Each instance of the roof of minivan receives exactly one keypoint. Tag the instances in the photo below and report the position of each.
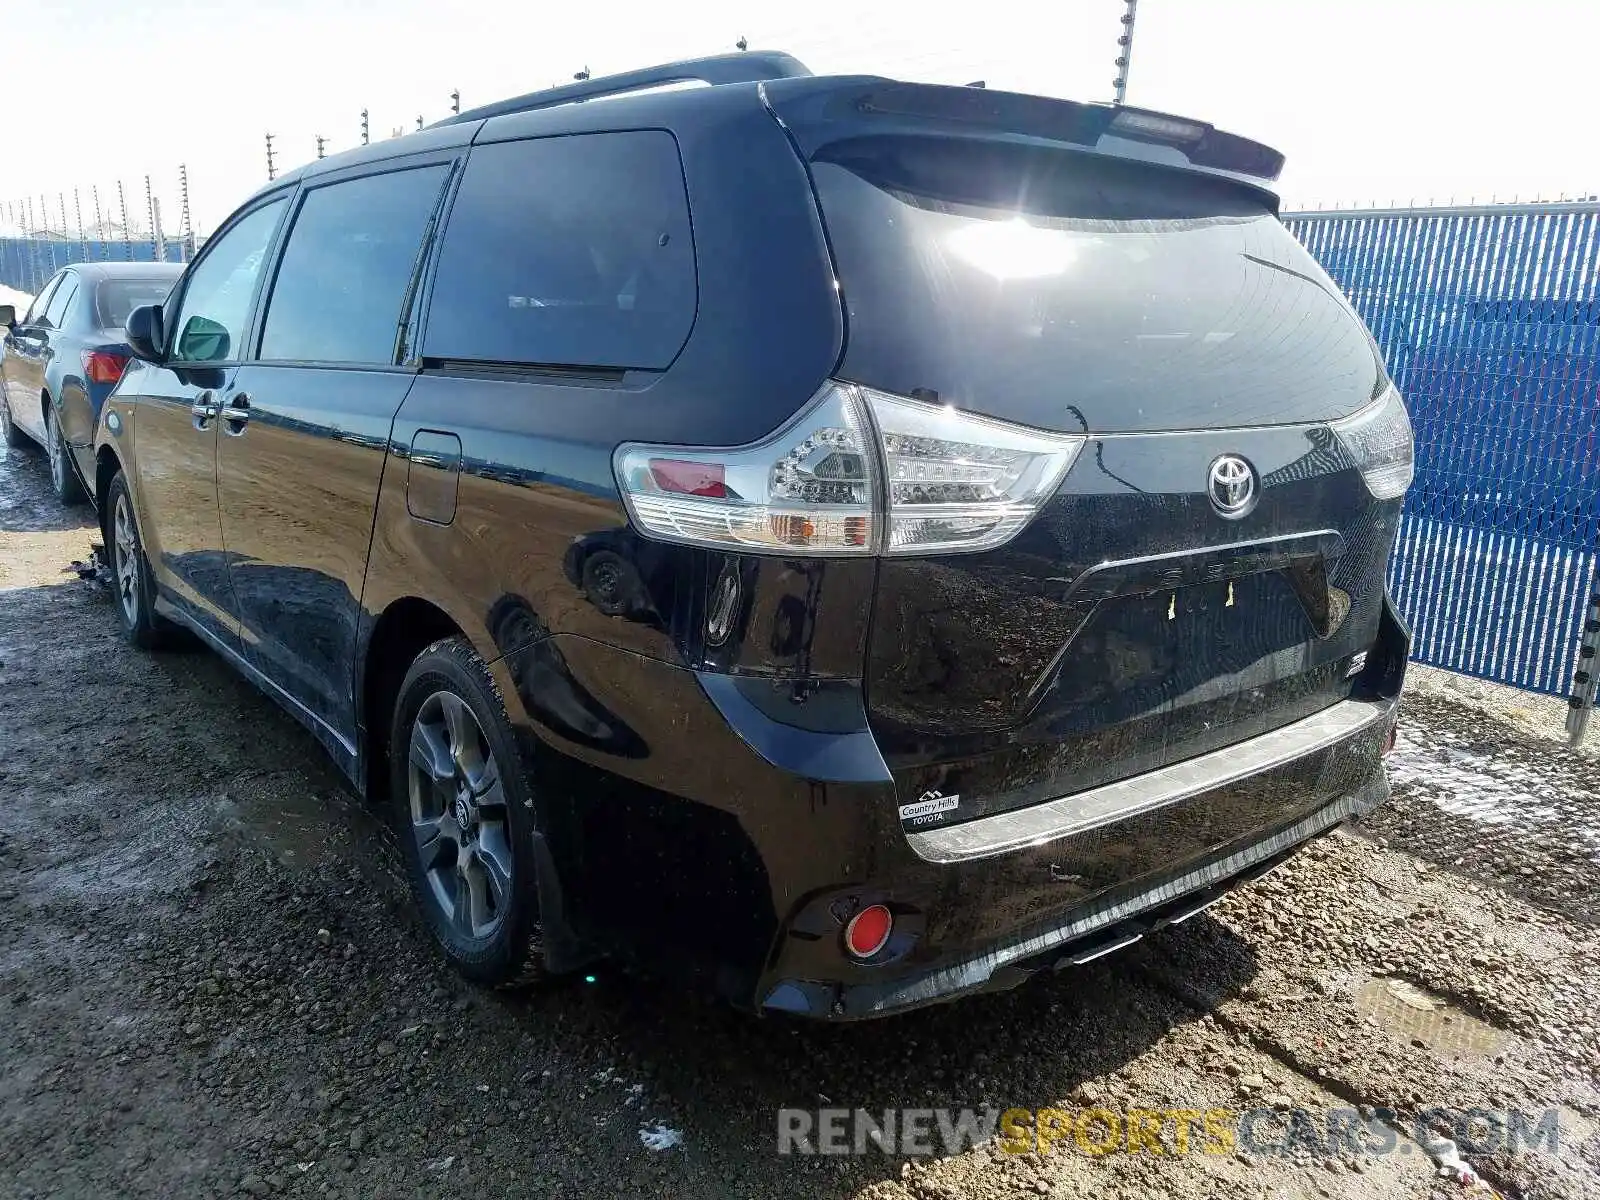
(649, 96)
(728, 75)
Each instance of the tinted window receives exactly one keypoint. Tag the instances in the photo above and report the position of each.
(56, 313)
(41, 302)
(1072, 290)
(114, 299)
(347, 268)
(215, 308)
(571, 251)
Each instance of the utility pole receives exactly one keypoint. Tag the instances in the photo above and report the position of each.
(320, 140)
(455, 102)
(272, 170)
(366, 132)
(1125, 51)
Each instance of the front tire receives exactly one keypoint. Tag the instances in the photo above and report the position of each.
(131, 579)
(463, 810)
(62, 475)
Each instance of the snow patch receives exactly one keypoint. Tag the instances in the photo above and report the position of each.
(660, 1137)
(1485, 789)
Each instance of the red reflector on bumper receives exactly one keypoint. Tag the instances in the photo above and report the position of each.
(868, 931)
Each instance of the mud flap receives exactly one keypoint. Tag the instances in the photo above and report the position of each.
(563, 950)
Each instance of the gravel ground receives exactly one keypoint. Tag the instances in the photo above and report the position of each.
(212, 984)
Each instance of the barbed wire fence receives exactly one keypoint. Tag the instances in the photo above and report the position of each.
(39, 234)
(120, 222)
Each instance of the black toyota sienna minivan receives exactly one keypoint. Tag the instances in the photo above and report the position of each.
(854, 543)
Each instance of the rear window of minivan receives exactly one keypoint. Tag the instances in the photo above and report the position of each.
(567, 251)
(1077, 290)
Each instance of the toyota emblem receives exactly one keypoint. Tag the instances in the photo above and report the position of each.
(1233, 485)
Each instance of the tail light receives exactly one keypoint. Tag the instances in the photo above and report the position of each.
(857, 472)
(1379, 439)
(102, 366)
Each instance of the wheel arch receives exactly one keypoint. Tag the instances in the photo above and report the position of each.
(405, 628)
(106, 465)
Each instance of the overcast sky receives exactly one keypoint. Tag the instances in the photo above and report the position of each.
(1370, 99)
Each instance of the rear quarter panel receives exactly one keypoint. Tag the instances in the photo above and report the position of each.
(535, 470)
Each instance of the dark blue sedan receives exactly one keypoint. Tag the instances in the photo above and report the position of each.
(64, 356)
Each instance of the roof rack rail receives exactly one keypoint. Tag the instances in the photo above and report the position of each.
(750, 66)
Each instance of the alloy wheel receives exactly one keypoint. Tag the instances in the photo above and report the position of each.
(458, 817)
(125, 554)
(57, 452)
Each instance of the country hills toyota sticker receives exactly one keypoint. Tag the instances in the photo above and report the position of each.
(930, 804)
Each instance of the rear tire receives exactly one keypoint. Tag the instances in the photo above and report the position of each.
(463, 811)
(133, 585)
(9, 433)
(63, 475)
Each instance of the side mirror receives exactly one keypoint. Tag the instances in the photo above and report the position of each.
(144, 333)
(202, 341)
(8, 315)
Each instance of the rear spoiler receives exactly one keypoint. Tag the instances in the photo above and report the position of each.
(820, 110)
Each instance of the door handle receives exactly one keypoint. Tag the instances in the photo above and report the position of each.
(237, 414)
(205, 408)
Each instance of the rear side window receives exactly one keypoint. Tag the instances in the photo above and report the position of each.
(567, 251)
(347, 268)
(57, 312)
(42, 302)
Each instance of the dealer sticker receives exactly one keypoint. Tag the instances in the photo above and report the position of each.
(930, 804)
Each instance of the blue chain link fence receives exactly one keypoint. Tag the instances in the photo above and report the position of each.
(1490, 321)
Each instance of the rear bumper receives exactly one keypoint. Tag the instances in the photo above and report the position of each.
(1100, 927)
(693, 827)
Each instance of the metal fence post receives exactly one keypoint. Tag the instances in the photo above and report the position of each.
(127, 229)
(186, 227)
(1581, 702)
(83, 234)
(33, 248)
